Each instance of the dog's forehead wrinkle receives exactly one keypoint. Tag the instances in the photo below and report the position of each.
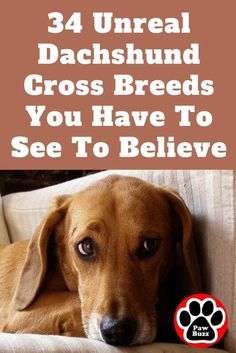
(119, 190)
(74, 230)
(92, 199)
(130, 212)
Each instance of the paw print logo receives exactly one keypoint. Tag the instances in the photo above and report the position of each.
(201, 320)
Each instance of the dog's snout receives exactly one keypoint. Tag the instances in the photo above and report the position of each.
(118, 332)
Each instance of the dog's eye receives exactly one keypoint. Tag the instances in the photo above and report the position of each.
(86, 247)
(148, 247)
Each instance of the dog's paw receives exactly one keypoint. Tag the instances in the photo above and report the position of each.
(200, 320)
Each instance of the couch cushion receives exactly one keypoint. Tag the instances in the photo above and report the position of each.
(24, 210)
(26, 343)
(4, 237)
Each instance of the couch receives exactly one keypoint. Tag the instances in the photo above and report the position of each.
(210, 196)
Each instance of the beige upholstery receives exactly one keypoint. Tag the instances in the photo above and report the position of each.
(210, 196)
(4, 237)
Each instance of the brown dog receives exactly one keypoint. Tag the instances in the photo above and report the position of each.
(113, 243)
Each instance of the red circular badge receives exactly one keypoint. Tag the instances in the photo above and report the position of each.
(200, 320)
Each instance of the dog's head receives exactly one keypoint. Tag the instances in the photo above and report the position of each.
(115, 242)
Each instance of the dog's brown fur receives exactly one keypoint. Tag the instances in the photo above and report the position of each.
(40, 279)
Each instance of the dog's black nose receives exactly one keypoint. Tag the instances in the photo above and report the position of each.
(118, 332)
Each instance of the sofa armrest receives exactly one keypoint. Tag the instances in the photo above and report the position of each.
(28, 343)
(4, 237)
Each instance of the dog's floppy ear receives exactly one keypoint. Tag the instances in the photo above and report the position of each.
(183, 232)
(35, 265)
